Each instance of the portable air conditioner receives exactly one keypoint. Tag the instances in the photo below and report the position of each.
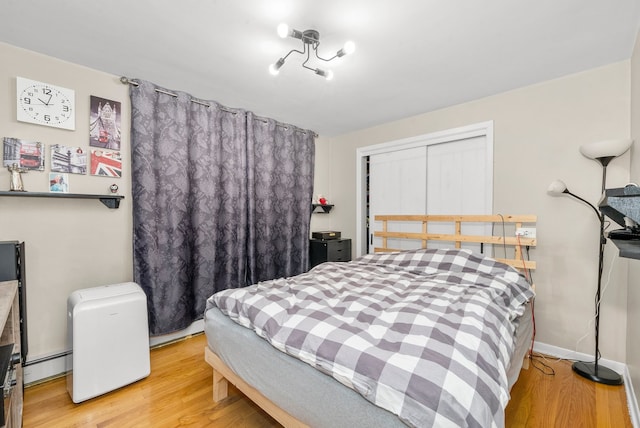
(108, 333)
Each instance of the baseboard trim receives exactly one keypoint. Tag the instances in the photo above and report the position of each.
(634, 411)
(43, 371)
(632, 402)
(53, 366)
(195, 328)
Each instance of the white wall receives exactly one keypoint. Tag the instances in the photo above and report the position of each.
(537, 133)
(70, 243)
(633, 301)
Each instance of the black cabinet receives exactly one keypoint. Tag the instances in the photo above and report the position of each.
(12, 268)
(330, 250)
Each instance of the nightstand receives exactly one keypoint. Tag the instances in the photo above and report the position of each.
(330, 250)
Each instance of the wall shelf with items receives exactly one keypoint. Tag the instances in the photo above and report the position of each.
(324, 209)
(622, 205)
(628, 248)
(110, 201)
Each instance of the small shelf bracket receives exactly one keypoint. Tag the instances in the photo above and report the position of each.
(110, 202)
(326, 208)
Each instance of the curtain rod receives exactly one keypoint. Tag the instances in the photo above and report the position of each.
(126, 81)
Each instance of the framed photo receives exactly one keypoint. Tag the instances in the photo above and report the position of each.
(26, 154)
(68, 159)
(104, 123)
(106, 164)
(58, 183)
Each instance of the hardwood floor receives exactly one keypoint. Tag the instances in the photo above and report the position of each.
(565, 400)
(178, 393)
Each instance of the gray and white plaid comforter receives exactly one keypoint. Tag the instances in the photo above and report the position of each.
(425, 334)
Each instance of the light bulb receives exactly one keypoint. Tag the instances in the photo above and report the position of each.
(326, 74)
(349, 47)
(283, 30)
(274, 69)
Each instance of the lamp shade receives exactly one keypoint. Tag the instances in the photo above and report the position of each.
(606, 148)
(557, 188)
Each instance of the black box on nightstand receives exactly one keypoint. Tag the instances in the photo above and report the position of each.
(326, 234)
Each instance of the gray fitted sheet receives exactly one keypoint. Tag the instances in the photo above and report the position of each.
(304, 392)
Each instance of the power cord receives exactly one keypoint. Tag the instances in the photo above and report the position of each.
(537, 360)
(597, 304)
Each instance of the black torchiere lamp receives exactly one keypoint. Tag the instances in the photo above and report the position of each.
(603, 152)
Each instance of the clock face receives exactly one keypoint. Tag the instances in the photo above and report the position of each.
(45, 104)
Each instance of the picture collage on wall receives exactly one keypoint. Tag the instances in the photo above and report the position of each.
(102, 158)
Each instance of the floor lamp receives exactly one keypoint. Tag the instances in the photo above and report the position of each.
(603, 152)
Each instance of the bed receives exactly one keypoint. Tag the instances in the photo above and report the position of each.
(387, 347)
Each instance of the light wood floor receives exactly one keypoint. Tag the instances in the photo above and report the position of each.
(178, 394)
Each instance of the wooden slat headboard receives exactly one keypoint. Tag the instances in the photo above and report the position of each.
(510, 223)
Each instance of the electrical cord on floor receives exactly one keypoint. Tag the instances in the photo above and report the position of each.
(537, 359)
(538, 362)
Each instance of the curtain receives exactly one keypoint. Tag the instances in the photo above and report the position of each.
(189, 203)
(221, 199)
(280, 174)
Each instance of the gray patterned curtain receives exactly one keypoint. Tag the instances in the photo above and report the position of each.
(221, 199)
(280, 170)
(189, 203)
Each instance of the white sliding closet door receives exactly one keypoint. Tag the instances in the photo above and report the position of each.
(452, 177)
(458, 184)
(397, 185)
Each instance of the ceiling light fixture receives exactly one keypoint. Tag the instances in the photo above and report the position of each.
(310, 42)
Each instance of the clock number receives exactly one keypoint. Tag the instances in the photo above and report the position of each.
(27, 100)
(46, 91)
(65, 108)
(47, 117)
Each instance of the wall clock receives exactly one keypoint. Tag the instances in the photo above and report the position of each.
(45, 104)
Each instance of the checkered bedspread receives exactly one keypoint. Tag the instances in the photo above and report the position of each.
(425, 334)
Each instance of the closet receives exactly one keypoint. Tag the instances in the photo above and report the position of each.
(449, 172)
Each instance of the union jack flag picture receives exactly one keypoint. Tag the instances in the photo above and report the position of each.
(106, 164)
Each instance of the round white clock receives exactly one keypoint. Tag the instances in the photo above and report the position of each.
(45, 104)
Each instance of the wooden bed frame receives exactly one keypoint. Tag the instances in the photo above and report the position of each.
(222, 374)
(510, 222)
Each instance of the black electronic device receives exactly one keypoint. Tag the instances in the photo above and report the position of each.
(326, 235)
(626, 234)
(12, 268)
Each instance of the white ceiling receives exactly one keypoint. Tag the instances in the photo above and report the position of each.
(412, 56)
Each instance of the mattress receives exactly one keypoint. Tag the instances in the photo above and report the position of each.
(304, 392)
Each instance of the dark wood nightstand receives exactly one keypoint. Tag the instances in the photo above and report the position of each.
(330, 250)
